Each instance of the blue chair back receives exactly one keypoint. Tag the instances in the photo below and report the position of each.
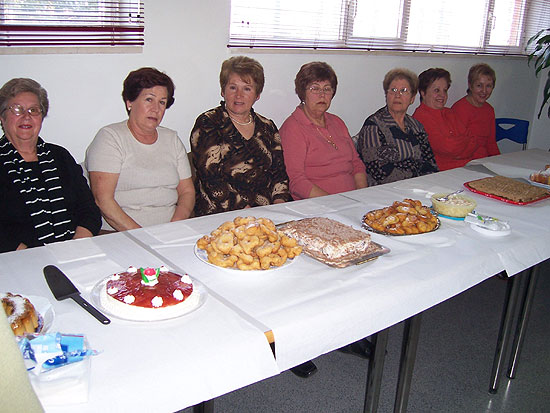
(517, 130)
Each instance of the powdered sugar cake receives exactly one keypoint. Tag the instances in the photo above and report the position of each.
(330, 241)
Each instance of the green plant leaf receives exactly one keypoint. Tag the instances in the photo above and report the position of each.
(540, 43)
(545, 96)
(542, 61)
(533, 38)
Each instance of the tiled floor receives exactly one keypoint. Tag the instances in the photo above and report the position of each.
(452, 370)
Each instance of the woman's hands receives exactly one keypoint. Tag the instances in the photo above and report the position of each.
(186, 200)
(360, 180)
(82, 232)
(317, 191)
(103, 185)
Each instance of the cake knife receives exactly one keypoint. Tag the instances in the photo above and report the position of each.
(62, 288)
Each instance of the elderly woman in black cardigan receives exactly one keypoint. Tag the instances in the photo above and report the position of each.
(45, 197)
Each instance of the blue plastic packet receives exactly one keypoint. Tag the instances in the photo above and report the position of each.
(44, 352)
(66, 358)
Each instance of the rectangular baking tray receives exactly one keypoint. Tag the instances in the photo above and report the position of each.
(378, 251)
(509, 201)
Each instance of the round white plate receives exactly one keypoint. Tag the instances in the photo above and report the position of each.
(539, 184)
(490, 232)
(198, 286)
(203, 256)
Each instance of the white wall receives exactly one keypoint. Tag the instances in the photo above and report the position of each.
(187, 40)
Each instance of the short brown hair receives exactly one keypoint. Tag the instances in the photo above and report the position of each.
(314, 72)
(247, 69)
(427, 77)
(404, 74)
(19, 85)
(481, 69)
(146, 78)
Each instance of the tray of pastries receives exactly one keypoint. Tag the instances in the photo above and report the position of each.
(332, 242)
(247, 244)
(541, 178)
(507, 190)
(405, 217)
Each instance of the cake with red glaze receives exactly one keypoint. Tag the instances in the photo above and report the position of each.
(148, 294)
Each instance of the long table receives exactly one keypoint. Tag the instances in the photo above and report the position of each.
(310, 308)
(176, 362)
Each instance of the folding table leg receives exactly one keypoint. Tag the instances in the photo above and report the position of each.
(522, 322)
(204, 407)
(376, 368)
(510, 303)
(406, 364)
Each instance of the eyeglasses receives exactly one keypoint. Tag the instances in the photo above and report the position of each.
(19, 110)
(327, 90)
(402, 91)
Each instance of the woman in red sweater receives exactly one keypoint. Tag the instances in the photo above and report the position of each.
(453, 145)
(475, 113)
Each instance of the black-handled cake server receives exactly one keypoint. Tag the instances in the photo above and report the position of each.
(62, 288)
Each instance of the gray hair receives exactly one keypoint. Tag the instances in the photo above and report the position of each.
(20, 85)
(401, 73)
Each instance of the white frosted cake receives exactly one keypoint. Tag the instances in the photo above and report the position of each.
(148, 294)
(327, 240)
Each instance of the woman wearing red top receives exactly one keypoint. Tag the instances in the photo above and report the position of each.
(453, 145)
(475, 113)
(320, 156)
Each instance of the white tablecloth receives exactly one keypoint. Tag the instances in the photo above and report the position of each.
(313, 308)
(178, 362)
(310, 307)
(516, 164)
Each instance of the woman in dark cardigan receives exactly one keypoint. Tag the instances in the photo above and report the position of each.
(392, 144)
(45, 197)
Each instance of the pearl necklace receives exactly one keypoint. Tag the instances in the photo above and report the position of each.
(242, 123)
(329, 139)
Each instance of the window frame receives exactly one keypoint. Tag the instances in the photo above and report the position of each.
(95, 25)
(399, 44)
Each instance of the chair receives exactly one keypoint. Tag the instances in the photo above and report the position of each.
(517, 130)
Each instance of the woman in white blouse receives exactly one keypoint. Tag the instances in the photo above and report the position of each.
(139, 171)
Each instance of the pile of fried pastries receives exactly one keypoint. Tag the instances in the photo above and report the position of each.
(402, 218)
(248, 244)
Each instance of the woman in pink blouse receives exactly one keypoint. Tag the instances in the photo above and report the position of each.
(319, 154)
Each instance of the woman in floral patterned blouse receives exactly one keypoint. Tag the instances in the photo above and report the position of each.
(237, 152)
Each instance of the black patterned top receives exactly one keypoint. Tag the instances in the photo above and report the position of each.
(233, 172)
(391, 154)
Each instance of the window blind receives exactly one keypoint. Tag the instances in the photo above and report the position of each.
(71, 23)
(465, 26)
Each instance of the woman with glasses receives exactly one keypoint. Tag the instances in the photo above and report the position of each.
(44, 197)
(391, 143)
(476, 113)
(139, 171)
(453, 145)
(237, 152)
(320, 156)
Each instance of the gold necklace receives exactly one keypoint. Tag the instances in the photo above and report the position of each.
(329, 139)
(242, 123)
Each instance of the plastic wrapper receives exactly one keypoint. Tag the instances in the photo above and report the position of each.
(487, 222)
(59, 366)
